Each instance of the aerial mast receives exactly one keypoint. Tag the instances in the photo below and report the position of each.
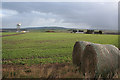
(18, 27)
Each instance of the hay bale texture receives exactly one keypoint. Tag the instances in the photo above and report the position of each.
(78, 51)
(100, 59)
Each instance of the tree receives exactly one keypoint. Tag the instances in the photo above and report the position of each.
(74, 31)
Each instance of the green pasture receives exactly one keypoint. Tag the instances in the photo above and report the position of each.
(41, 48)
(8, 33)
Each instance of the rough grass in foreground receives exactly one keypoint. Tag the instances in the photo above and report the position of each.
(57, 70)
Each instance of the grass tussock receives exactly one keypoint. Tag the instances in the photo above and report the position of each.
(56, 70)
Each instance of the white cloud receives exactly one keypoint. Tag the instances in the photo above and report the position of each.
(38, 12)
(77, 15)
(7, 12)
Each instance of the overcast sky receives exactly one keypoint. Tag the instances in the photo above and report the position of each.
(84, 15)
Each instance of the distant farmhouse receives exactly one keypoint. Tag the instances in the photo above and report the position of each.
(88, 31)
(94, 32)
(98, 32)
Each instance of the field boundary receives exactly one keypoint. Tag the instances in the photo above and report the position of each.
(28, 58)
(11, 34)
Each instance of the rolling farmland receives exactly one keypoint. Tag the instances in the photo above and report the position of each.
(47, 55)
(43, 48)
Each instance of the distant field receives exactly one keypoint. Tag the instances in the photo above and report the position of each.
(41, 48)
(8, 33)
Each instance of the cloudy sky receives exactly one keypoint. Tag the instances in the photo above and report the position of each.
(84, 15)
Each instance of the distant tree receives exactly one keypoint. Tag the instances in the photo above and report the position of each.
(90, 32)
(74, 31)
(100, 32)
(80, 30)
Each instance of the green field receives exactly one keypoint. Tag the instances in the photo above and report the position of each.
(8, 33)
(41, 48)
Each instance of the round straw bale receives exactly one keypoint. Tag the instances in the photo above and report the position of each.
(99, 59)
(77, 52)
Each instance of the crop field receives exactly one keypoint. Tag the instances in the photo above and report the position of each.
(37, 54)
(8, 33)
(41, 48)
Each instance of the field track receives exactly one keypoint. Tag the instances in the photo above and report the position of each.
(11, 34)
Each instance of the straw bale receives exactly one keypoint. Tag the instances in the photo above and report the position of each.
(100, 59)
(77, 52)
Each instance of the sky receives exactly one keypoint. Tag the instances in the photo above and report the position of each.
(82, 15)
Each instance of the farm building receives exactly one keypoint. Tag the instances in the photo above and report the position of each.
(94, 32)
(80, 30)
(74, 31)
(87, 31)
(24, 31)
(98, 32)
(90, 32)
(77, 31)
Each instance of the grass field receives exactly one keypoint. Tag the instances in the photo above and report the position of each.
(8, 33)
(42, 48)
(47, 55)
